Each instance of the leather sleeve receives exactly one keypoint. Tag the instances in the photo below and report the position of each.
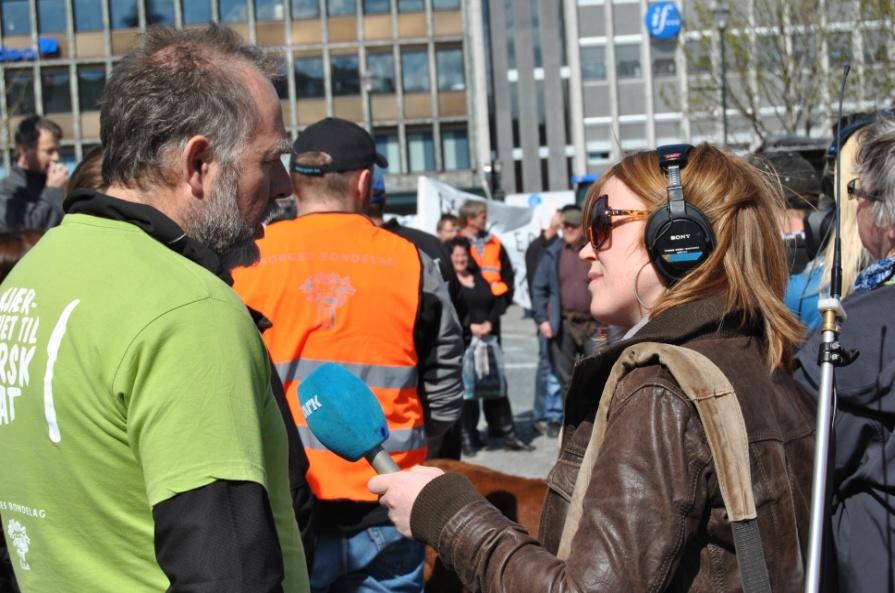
(646, 500)
(219, 538)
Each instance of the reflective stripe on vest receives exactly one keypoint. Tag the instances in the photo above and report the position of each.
(392, 377)
(339, 289)
(488, 260)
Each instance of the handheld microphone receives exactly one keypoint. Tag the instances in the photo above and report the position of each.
(345, 416)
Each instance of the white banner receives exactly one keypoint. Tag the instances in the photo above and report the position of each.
(516, 224)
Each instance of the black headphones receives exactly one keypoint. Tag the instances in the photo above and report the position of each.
(678, 235)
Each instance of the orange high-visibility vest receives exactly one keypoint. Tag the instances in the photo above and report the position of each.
(339, 289)
(488, 260)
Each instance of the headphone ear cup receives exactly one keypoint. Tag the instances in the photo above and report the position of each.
(678, 245)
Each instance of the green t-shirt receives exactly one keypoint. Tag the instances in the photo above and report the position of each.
(128, 374)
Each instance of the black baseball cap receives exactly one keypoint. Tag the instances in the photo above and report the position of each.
(797, 176)
(349, 145)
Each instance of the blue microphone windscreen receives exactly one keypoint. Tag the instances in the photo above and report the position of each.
(342, 412)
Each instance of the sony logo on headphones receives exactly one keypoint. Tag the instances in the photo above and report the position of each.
(679, 237)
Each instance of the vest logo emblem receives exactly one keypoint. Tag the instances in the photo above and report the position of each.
(18, 535)
(328, 292)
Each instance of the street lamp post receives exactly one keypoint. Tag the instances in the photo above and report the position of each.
(722, 14)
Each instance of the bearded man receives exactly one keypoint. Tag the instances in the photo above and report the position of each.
(143, 448)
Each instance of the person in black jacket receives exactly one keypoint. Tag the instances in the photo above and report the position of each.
(31, 196)
(482, 320)
(863, 471)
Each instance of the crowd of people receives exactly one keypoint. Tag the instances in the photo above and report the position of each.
(156, 325)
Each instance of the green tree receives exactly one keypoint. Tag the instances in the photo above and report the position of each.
(784, 60)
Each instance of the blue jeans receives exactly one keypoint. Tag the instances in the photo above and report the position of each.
(548, 395)
(375, 560)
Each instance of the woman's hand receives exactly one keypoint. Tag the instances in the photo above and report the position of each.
(397, 492)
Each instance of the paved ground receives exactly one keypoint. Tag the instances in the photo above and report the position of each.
(521, 353)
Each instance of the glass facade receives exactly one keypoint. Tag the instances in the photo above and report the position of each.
(411, 5)
(323, 41)
(420, 150)
(88, 15)
(340, 7)
(381, 70)
(305, 9)
(309, 78)
(51, 16)
(377, 6)
(91, 80)
(196, 12)
(455, 148)
(16, 20)
(449, 62)
(20, 91)
(345, 75)
(415, 70)
(56, 87)
(593, 63)
(627, 61)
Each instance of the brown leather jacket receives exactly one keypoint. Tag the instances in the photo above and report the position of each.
(653, 517)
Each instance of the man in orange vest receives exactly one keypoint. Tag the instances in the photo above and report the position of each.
(494, 263)
(339, 289)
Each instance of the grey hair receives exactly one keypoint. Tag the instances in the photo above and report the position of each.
(175, 85)
(876, 167)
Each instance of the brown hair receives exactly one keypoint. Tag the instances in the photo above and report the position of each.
(13, 246)
(748, 266)
(88, 174)
(470, 209)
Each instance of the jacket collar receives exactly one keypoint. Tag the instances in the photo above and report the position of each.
(150, 221)
(675, 326)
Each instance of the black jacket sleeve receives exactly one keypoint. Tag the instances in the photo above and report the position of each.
(219, 538)
(509, 276)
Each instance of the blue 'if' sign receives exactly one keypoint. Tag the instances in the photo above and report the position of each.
(663, 20)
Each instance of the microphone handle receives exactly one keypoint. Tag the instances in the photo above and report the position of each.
(381, 461)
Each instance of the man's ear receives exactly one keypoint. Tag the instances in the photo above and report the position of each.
(195, 161)
(362, 186)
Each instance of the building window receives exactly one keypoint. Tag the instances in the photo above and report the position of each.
(20, 92)
(160, 12)
(51, 16)
(88, 15)
(91, 81)
(445, 4)
(56, 89)
(449, 61)
(233, 11)
(345, 75)
(269, 10)
(381, 70)
(196, 12)
(455, 148)
(627, 61)
(309, 78)
(415, 70)
(15, 17)
(305, 9)
(420, 150)
(340, 7)
(411, 5)
(387, 146)
(377, 6)
(840, 48)
(874, 46)
(123, 14)
(663, 57)
(593, 63)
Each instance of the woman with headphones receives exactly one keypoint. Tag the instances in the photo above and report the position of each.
(684, 250)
